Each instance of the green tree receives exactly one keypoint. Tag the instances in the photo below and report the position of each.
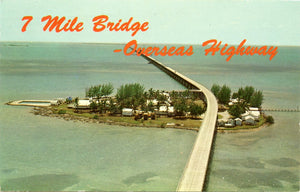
(130, 95)
(180, 107)
(215, 89)
(186, 94)
(112, 107)
(236, 110)
(161, 98)
(241, 93)
(256, 99)
(196, 109)
(248, 92)
(235, 95)
(107, 89)
(76, 103)
(270, 119)
(224, 95)
(93, 106)
(99, 91)
(91, 91)
(150, 107)
(151, 93)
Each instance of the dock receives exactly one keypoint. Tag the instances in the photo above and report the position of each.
(194, 174)
(282, 110)
(33, 103)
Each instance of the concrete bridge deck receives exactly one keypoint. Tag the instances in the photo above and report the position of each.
(194, 174)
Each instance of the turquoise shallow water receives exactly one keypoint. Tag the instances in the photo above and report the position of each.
(267, 159)
(89, 156)
(40, 153)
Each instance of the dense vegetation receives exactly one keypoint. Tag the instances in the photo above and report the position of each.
(134, 96)
(246, 97)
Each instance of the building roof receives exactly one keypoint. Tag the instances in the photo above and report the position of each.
(253, 108)
(254, 113)
(163, 108)
(249, 117)
(83, 103)
(171, 109)
(127, 110)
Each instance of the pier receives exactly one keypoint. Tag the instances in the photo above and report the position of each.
(194, 174)
(33, 103)
(282, 110)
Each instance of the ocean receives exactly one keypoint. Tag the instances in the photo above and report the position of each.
(46, 154)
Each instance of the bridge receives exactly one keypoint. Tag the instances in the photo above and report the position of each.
(195, 171)
(282, 110)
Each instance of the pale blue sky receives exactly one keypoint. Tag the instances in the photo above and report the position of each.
(170, 21)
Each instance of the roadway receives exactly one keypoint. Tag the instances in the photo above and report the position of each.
(195, 171)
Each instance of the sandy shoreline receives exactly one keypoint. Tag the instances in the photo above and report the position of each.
(48, 112)
(242, 130)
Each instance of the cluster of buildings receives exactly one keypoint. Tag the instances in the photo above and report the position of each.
(250, 117)
(159, 108)
(164, 108)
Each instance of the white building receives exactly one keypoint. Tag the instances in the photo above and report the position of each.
(154, 102)
(254, 114)
(253, 109)
(230, 123)
(238, 121)
(249, 120)
(244, 115)
(221, 123)
(127, 112)
(233, 101)
(83, 104)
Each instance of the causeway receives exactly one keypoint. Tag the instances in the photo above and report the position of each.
(194, 174)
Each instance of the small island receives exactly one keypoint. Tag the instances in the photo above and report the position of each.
(240, 110)
(133, 106)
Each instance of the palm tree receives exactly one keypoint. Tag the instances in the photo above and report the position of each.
(131, 95)
(76, 102)
(151, 93)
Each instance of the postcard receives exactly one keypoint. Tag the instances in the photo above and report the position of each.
(129, 95)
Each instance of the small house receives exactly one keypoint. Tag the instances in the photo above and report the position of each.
(238, 122)
(60, 100)
(163, 110)
(54, 102)
(230, 123)
(233, 101)
(127, 112)
(253, 109)
(249, 120)
(244, 115)
(171, 110)
(83, 104)
(154, 102)
(255, 114)
(221, 123)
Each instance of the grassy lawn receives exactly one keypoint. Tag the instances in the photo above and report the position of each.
(158, 122)
(220, 116)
